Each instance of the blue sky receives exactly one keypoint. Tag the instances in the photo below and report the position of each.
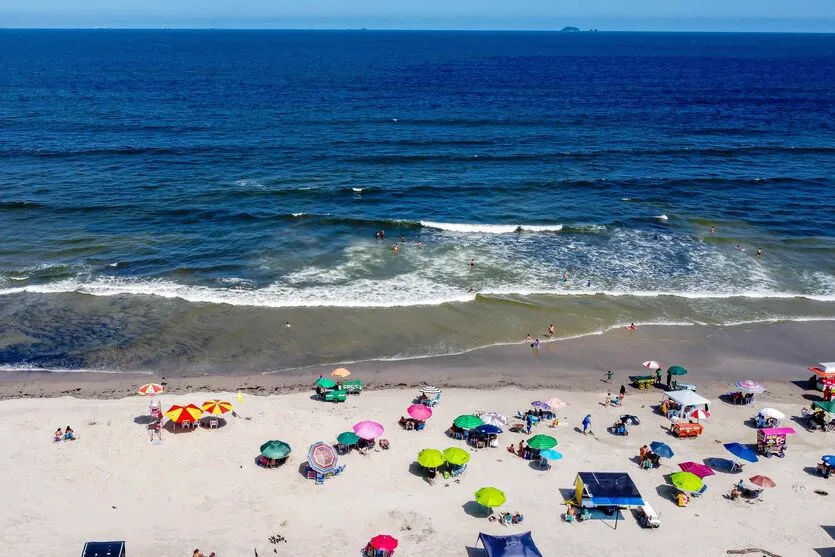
(672, 15)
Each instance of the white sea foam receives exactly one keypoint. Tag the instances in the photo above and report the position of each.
(662, 217)
(299, 214)
(490, 228)
(356, 190)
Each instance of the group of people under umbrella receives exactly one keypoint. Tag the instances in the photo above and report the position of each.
(188, 416)
(451, 462)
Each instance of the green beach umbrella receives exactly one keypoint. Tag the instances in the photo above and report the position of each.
(326, 383)
(468, 421)
(490, 497)
(456, 456)
(430, 458)
(541, 442)
(686, 481)
(827, 405)
(275, 449)
(347, 438)
(677, 370)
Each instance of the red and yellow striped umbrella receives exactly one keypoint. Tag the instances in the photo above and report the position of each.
(180, 414)
(150, 389)
(217, 407)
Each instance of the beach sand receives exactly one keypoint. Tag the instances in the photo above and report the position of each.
(202, 489)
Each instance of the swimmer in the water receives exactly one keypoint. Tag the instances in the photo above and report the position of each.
(420, 245)
(565, 277)
(472, 263)
(551, 330)
(632, 327)
(712, 229)
(588, 284)
(396, 247)
(759, 252)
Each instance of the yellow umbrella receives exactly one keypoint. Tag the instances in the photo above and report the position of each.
(217, 407)
(340, 372)
(180, 414)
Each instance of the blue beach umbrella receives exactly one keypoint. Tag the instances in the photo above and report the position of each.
(661, 449)
(828, 459)
(489, 429)
(742, 452)
(550, 454)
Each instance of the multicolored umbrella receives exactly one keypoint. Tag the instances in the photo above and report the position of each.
(340, 372)
(493, 418)
(771, 413)
(150, 389)
(651, 365)
(490, 497)
(321, 458)
(180, 414)
(750, 386)
(325, 383)
(275, 449)
(541, 404)
(217, 407)
(419, 412)
(697, 469)
(762, 481)
(383, 542)
(741, 451)
(686, 481)
(347, 438)
(661, 449)
(489, 429)
(676, 370)
(541, 442)
(556, 403)
(456, 456)
(550, 454)
(430, 458)
(430, 390)
(368, 430)
(699, 414)
(467, 421)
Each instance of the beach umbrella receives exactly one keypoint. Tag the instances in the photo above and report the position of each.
(493, 418)
(340, 372)
(651, 365)
(456, 456)
(697, 469)
(828, 459)
(368, 430)
(217, 407)
(180, 414)
(326, 383)
(430, 458)
(742, 452)
(347, 438)
(467, 421)
(383, 542)
(826, 405)
(489, 429)
(550, 454)
(661, 449)
(771, 413)
(275, 449)
(430, 390)
(321, 458)
(419, 412)
(541, 441)
(150, 389)
(490, 497)
(686, 481)
(750, 386)
(699, 414)
(541, 404)
(556, 403)
(762, 481)
(676, 370)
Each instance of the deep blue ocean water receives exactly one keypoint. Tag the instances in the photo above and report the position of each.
(149, 178)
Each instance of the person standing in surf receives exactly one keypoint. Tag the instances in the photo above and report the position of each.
(551, 330)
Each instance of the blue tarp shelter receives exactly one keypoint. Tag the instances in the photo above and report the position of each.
(103, 549)
(519, 545)
(606, 489)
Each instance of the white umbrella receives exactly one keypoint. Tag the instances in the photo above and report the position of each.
(699, 414)
(493, 418)
(651, 364)
(749, 386)
(772, 413)
(430, 390)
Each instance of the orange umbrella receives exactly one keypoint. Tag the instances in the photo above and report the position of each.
(150, 389)
(217, 407)
(340, 372)
(180, 414)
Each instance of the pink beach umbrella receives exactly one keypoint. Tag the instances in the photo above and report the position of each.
(368, 430)
(697, 469)
(419, 412)
(750, 386)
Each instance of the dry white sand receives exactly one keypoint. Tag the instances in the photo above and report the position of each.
(202, 489)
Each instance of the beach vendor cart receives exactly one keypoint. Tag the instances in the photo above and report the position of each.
(684, 430)
(678, 405)
(643, 382)
(823, 375)
(772, 440)
(352, 386)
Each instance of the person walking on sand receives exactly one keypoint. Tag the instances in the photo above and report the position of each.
(608, 401)
(586, 424)
(609, 376)
(551, 330)
(622, 392)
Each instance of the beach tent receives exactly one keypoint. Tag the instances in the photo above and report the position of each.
(606, 489)
(688, 401)
(517, 545)
(103, 549)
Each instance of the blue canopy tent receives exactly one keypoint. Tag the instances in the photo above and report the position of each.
(518, 545)
(606, 489)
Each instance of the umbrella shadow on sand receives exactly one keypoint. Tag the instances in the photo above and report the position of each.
(145, 419)
(667, 492)
(476, 510)
(416, 469)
